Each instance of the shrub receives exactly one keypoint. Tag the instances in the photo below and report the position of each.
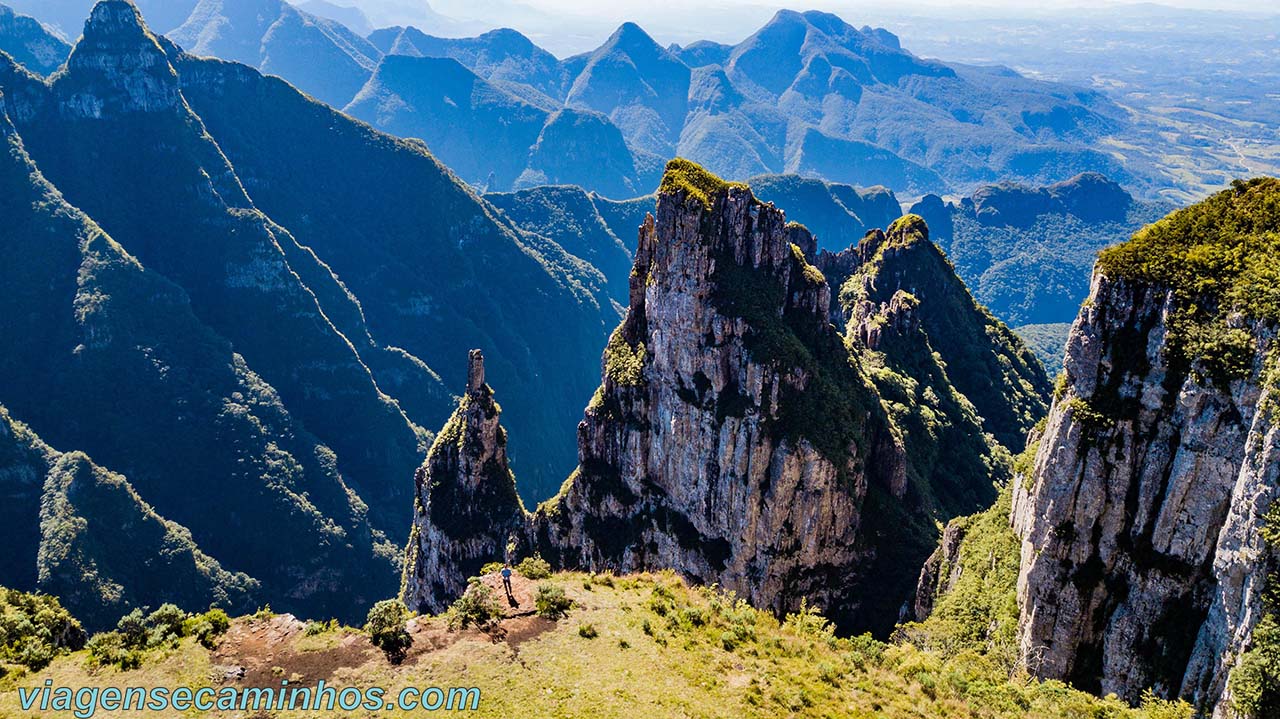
(165, 625)
(1255, 682)
(207, 627)
(692, 617)
(809, 622)
(112, 649)
(729, 641)
(133, 629)
(477, 606)
(624, 364)
(588, 631)
(534, 568)
(386, 628)
(551, 602)
(315, 628)
(1155, 708)
(35, 629)
(661, 601)
(491, 568)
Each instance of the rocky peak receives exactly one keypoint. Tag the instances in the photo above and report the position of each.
(937, 214)
(475, 372)
(735, 437)
(118, 66)
(466, 509)
(983, 359)
(28, 42)
(1092, 197)
(730, 438)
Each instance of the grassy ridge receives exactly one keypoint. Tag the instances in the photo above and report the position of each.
(643, 642)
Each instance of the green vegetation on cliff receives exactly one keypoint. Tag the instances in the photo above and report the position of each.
(973, 611)
(1255, 682)
(976, 602)
(981, 356)
(34, 629)
(686, 176)
(1218, 257)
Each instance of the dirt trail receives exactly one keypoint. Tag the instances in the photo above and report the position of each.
(261, 652)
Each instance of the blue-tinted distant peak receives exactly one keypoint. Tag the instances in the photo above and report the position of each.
(630, 36)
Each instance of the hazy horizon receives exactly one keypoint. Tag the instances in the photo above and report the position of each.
(567, 27)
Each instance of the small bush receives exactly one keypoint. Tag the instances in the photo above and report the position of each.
(809, 622)
(133, 629)
(35, 629)
(692, 617)
(661, 600)
(386, 627)
(534, 568)
(113, 649)
(551, 602)
(315, 628)
(728, 641)
(491, 568)
(477, 606)
(588, 631)
(165, 625)
(207, 627)
(1156, 708)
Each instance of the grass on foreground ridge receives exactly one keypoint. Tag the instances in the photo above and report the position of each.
(643, 642)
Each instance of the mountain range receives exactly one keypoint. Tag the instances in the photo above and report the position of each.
(28, 42)
(807, 94)
(208, 296)
(254, 348)
(1025, 252)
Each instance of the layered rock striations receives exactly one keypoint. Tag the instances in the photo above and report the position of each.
(738, 435)
(705, 449)
(1142, 523)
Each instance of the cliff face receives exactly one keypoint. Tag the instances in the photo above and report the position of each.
(1143, 563)
(741, 438)
(706, 447)
(467, 509)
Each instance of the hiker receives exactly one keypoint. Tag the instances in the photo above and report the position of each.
(506, 578)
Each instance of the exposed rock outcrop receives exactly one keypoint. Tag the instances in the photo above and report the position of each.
(739, 437)
(1143, 563)
(695, 453)
(939, 573)
(30, 43)
(467, 509)
(119, 66)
